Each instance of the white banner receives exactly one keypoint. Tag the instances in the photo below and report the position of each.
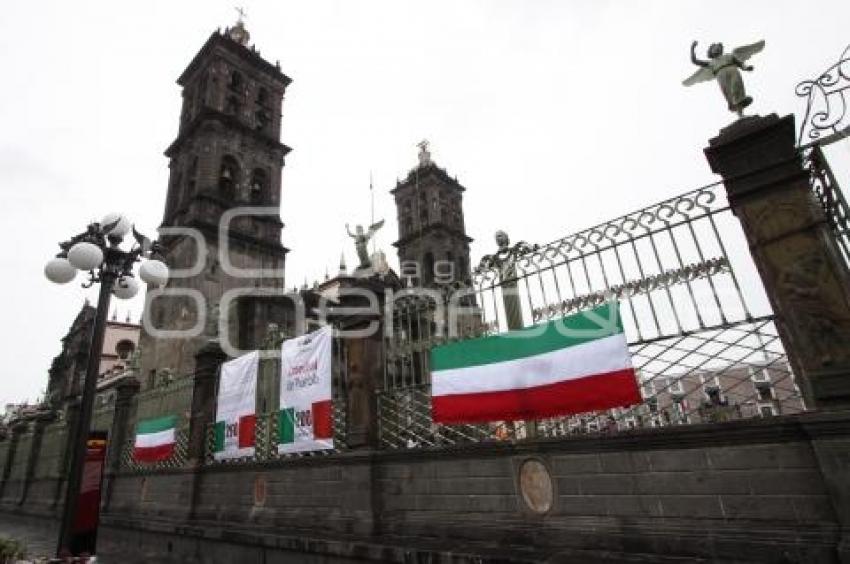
(235, 419)
(306, 410)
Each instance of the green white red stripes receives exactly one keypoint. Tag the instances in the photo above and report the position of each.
(567, 366)
(155, 439)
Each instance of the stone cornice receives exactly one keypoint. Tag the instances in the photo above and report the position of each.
(250, 56)
(207, 115)
(433, 227)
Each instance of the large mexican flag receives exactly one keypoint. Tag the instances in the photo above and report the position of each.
(572, 365)
(235, 419)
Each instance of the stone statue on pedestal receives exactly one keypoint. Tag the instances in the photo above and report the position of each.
(726, 68)
(361, 241)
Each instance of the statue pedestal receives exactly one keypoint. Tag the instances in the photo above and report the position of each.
(364, 367)
(794, 249)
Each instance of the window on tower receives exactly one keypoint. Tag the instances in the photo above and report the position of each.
(429, 267)
(187, 106)
(191, 179)
(201, 93)
(124, 349)
(262, 97)
(228, 177)
(259, 186)
(235, 80)
(262, 118)
(174, 194)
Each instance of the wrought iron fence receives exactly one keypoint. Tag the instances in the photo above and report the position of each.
(830, 197)
(694, 310)
(827, 99)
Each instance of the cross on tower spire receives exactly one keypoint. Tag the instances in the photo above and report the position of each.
(238, 32)
(424, 153)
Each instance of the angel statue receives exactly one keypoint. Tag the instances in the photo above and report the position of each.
(725, 67)
(361, 240)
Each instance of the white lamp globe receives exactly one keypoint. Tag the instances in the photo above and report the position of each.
(123, 226)
(59, 271)
(126, 288)
(85, 256)
(154, 272)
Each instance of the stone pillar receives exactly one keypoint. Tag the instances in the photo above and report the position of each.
(72, 414)
(126, 390)
(364, 360)
(364, 356)
(18, 429)
(207, 363)
(794, 250)
(37, 427)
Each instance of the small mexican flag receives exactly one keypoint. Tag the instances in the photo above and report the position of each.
(155, 439)
(244, 429)
(572, 365)
(319, 418)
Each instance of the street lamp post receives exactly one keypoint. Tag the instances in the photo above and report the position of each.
(98, 251)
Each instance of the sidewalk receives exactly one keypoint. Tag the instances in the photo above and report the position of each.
(38, 542)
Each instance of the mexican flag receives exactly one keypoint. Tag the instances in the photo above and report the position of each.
(155, 439)
(572, 365)
(236, 418)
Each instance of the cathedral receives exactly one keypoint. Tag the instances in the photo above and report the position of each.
(221, 227)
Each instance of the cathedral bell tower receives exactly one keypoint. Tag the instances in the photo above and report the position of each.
(227, 156)
(433, 247)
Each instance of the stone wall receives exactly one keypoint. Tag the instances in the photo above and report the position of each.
(743, 491)
(766, 490)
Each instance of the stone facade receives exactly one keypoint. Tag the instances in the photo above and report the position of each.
(69, 366)
(227, 155)
(433, 246)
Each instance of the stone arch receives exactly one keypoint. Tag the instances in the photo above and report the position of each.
(228, 177)
(259, 186)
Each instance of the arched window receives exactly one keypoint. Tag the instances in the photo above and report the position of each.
(262, 96)
(191, 180)
(124, 349)
(235, 80)
(201, 93)
(228, 177)
(174, 193)
(262, 118)
(259, 186)
(188, 102)
(429, 267)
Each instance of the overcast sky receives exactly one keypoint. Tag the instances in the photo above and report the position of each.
(554, 114)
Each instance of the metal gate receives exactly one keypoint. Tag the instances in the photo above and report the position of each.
(698, 322)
